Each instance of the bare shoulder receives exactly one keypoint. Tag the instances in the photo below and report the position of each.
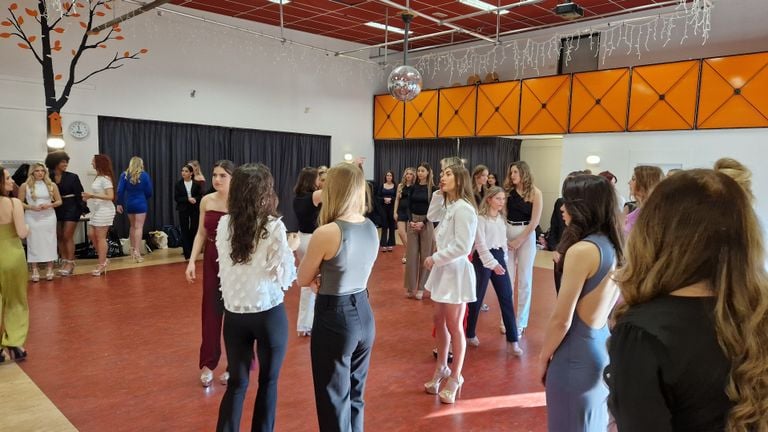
(327, 231)
(583, 253)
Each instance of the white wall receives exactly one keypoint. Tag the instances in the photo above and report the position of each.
(240, 80)
(544, 157)
(621, 152)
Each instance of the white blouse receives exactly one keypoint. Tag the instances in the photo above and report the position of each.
(258, 285)
(491, 234)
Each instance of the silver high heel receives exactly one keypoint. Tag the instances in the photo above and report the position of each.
(137, 256)
(433, 386)
(206, 378)
(35, 275)
(452, 388)
(63, 271)
(101, 269)
(224, 378)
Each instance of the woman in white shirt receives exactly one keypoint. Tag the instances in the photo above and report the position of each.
(256, 265)
(489, 260)
(452, 279)
(102, 209)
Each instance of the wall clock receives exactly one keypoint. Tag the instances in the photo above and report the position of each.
(79, 129)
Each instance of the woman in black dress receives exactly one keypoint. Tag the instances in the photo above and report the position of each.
(187, 193)
(69, 212)
(387, 195)
(688, 349)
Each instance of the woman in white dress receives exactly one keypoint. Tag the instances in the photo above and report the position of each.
(452, 279)
(101, 205)
(40, 196)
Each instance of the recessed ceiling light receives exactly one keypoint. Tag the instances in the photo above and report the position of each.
(388, 28)
(439, 15)
(482, 5)
(285, 2)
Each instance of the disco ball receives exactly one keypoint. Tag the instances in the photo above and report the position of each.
(404, 83)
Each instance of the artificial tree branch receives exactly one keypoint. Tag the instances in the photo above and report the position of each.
(65, 14)
(111, 65)
(23, 36)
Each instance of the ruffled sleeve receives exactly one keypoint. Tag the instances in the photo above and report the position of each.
(635, 380)
(280, 265)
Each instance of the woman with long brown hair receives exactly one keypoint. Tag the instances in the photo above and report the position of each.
(644, 179)
(101, 203)
(40, 197)
(452, 280)
(688, 349)
(256, 265)
(212, 207)
(420, 232)
(14, 319)
(524, 206)
(573, 354)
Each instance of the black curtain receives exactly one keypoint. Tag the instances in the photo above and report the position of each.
(396, 155)
(165, 147)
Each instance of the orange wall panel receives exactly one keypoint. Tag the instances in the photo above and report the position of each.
(733, 92)
(663, 96)
(544, 105)
(387, 117)
(457, 107)
(421, 115)
(498, 108)
(599, 101)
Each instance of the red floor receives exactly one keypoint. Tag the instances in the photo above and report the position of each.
(119, 353)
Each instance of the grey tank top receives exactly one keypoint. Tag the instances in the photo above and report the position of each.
(348, 271)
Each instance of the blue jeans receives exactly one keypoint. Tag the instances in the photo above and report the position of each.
(503, 288)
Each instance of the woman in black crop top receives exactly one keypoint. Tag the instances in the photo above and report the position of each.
(420, 232)
(306, 206)
(524, 205)
(688, 349)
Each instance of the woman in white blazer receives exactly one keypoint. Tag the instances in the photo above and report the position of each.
(452, 278)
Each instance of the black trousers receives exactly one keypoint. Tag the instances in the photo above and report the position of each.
(342, 340)
(269, 329)
(503, 288)
(188, 221)
(388, 225)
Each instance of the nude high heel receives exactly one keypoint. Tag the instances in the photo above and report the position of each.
(206, 377)
(452, 388)
(433, 386)
(100, 269)
(35, 275)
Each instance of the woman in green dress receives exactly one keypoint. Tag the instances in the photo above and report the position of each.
(13, 274)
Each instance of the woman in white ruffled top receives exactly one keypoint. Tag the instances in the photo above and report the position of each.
(451, 280)
(256, 265)
(40, 196)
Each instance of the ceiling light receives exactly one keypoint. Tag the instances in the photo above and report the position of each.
(285, 2)
(387, 28)
(482, 6)
(56, 142)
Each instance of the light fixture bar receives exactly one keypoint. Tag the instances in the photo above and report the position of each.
(285, 2)
(387, 28)
(479, 4)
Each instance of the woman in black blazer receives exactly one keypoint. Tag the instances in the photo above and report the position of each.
(187, 195)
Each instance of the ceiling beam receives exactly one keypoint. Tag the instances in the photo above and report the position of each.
(492, 11)
(437, 21)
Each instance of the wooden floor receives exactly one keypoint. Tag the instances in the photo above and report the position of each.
(119, 353)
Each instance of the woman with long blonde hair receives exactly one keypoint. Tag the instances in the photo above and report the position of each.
(133, 194)
(688, 349)
(401, 205)
(524, 206)
(40, 196)
(344, 330)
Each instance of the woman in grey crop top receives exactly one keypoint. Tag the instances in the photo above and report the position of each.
(342, 251)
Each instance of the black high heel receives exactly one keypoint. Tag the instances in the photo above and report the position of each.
(17, 354)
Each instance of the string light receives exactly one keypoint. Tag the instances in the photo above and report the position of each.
(530, 56)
